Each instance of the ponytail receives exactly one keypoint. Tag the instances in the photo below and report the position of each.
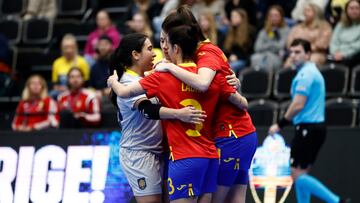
(122, 57)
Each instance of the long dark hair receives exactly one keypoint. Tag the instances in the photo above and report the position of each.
(122, 57)
(186, 38)
(182, 16)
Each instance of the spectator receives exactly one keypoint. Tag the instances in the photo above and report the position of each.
(334, 10)
(62, 65)
(345, 42)
(216, 7)
(137, 6)
(270, 42)
(78, 106)
(209, 28)
(41, 8)
(140, 24)
(248, 5)
(100, 70)
(298, 12)
(104, 27)
(315, 30)
(36, 110)
(239, 41)
(153, 14)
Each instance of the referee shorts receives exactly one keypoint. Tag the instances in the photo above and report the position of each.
(308, 139)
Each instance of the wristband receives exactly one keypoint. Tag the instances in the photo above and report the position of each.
(283, 122)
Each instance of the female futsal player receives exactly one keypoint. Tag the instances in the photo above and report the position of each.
(141, 141)
(193, 169)
(235, 133)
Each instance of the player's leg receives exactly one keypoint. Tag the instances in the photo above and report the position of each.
(236, 156)
(143, 171)
(210, 181)
(186, 177)
(247, 146)
(239, 193)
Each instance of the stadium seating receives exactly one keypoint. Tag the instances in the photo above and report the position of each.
(282, 83)
(355, 82)
(11, 28)
(11, 7)
(72, 8)
(263, 112)
(255, 83)
(336, 79)
(341, 112)
(283, 106)
(37, 31)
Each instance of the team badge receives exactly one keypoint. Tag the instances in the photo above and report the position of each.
(141, 183)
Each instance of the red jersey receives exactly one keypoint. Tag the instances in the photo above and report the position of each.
(188, 140)
(36, 114)
(84, 102)
(228, 119)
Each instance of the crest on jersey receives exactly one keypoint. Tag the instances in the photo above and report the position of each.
(141, 183)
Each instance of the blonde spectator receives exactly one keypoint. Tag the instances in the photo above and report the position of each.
(239, 41)
(315, 30)
(36, 110)
(70, 58)
(345, 42)
(271, 41)
(298, 12)
(208, 26)
(140, 24)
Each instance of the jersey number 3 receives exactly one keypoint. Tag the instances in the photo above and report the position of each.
(192, 102)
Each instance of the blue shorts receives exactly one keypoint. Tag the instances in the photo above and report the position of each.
(192, 177)
(236, 155)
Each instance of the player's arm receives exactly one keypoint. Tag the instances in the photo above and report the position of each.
(238, 100)
(200, 81)
(123, 91)
(156, 112)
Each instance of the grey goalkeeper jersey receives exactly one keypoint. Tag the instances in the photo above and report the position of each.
(138, 133)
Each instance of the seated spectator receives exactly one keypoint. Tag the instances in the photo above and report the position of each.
(298, 12)
(78, 106)
(334, 10)
(140, 24)
(62, 65)
(248, 5)
(239, 41)
(36, 110)
(216, 7)
(345, 42)
(315, 30)
(209, 28)
(271, 41)
(41, 9)
(100, 70)
(104, 27)
(137, 6)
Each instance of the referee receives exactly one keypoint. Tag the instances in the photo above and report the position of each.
(307, 113)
